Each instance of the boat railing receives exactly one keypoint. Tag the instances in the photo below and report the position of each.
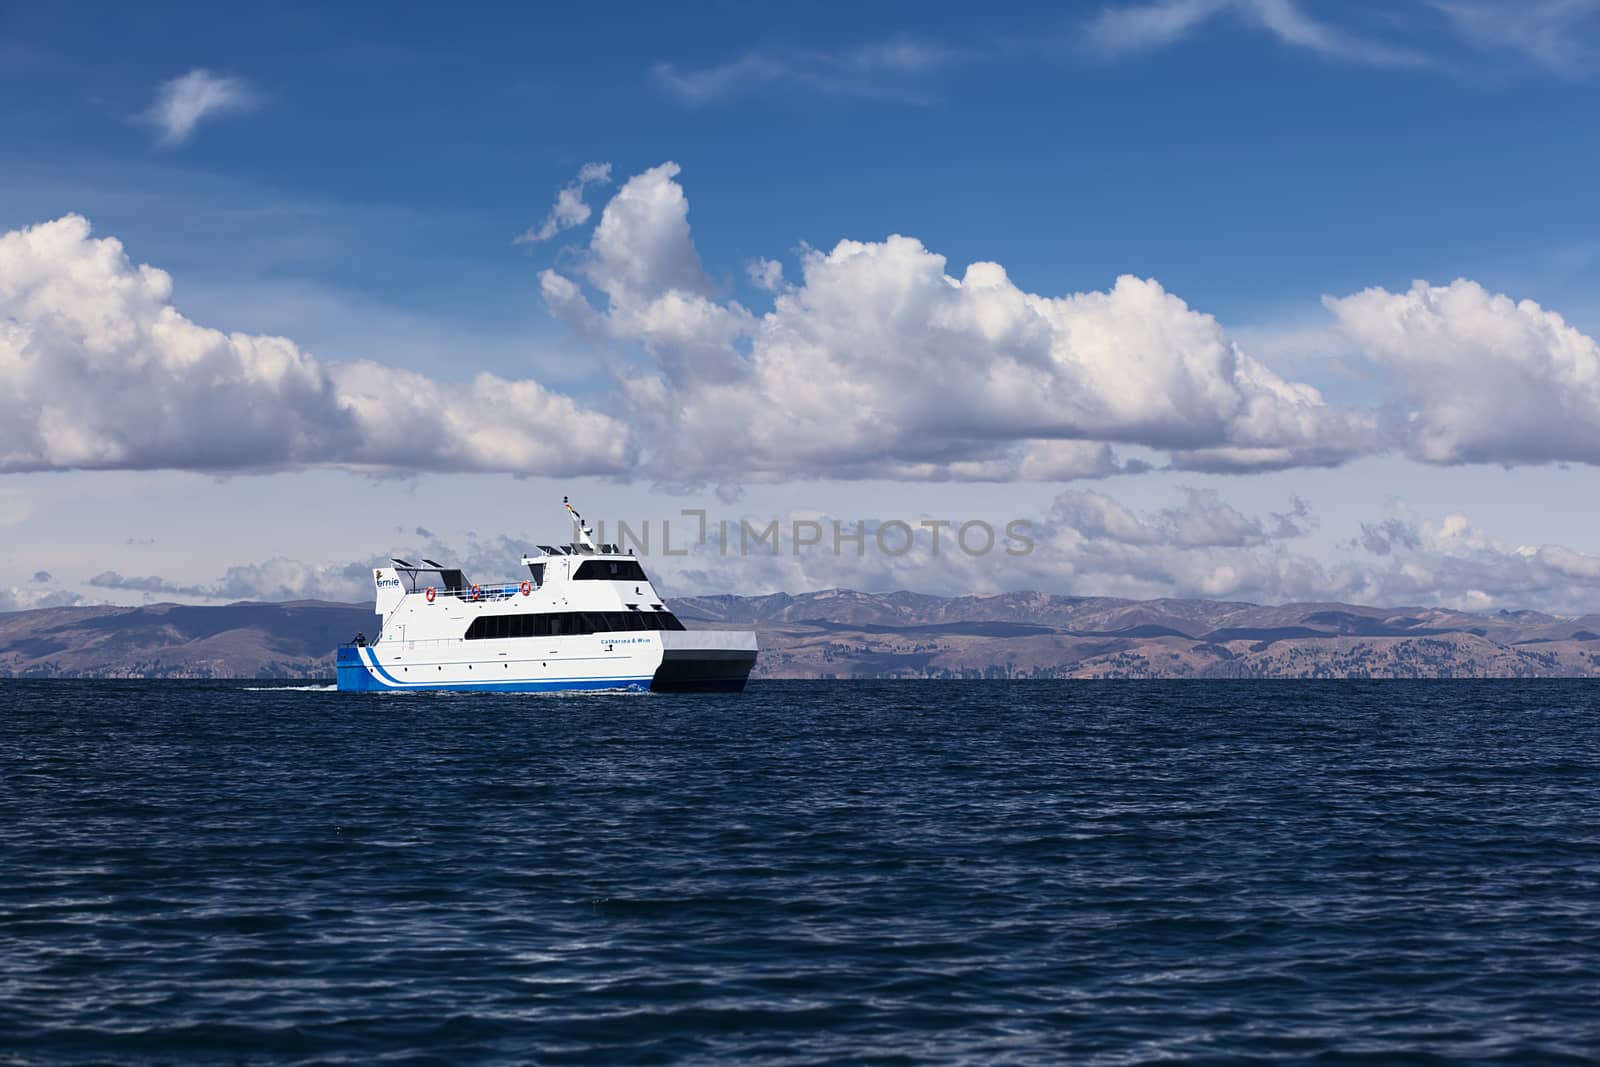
(478, 591)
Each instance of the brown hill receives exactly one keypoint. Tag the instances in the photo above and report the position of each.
(846, 634)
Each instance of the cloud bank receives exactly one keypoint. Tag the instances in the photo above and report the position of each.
(1084, 543)
(276, 579)
(879, 362)
(1088, 543)
(875, 359)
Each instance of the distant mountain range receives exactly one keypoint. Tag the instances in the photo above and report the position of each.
(845, 634)
(294, 640)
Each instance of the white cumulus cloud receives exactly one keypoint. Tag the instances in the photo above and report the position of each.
(881, 361)
(642, 247)
(99, 369)
(1482, 378)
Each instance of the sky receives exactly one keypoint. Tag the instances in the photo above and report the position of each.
(1264, 300)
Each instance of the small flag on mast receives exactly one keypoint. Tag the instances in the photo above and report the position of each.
(583, 531)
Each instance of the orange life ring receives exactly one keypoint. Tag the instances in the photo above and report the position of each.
(527, 587)
(477, 592)
(429, 593)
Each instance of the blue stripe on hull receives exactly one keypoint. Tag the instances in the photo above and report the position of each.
(609, 685)
(356, 675)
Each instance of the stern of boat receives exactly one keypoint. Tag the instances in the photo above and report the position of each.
(351, 672)
(698, 661)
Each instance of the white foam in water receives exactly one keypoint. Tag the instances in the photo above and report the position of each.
(558, 693)
(291, 689)
(548, 694)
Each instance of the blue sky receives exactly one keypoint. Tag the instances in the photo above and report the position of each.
(353, 179)
(1244, 172)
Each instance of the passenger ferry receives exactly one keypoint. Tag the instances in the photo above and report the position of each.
(585, 617)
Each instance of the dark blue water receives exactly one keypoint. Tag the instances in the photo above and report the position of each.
(814, 872)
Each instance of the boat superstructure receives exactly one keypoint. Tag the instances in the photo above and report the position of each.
(582, 616)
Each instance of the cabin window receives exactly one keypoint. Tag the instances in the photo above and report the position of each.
(620, 621)
(568, 623)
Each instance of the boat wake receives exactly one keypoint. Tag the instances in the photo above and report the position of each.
(291, 689)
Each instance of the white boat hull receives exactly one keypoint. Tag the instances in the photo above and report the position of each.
(671, 661)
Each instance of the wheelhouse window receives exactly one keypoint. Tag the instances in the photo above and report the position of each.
(609, 570)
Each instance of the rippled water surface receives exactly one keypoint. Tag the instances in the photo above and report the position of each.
(813, 872)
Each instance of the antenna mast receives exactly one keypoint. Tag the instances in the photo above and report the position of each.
(578, 524)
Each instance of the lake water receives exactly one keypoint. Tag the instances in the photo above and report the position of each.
(829, 872)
